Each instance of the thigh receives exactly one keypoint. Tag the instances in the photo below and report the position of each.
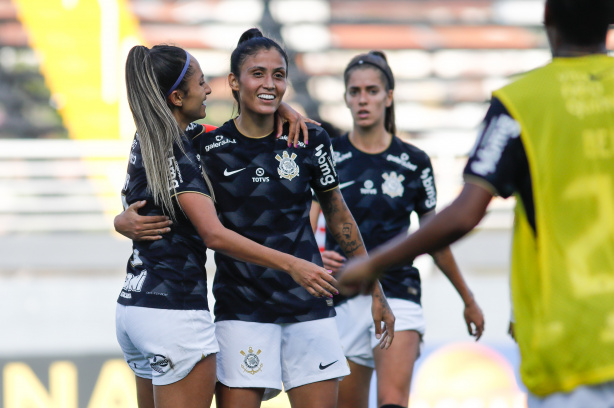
(322, 394)
(354, 389)
(226, 397)
(311, 352)
(144, 392)
(249, 357)
(193, 391)
(394, 368)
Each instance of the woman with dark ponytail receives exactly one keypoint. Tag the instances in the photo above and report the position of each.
(271, 330)
(163, 323)
(384, 180)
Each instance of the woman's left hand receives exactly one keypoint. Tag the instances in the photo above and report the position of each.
(382, 313)
(296, 121)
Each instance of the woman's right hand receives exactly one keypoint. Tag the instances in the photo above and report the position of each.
(333, 261)
(139, 227)
(315, 279)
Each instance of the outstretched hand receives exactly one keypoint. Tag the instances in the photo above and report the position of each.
(356, 277)
(140, 227)
(315, 279)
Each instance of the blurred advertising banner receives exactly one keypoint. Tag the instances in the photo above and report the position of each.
(100, 381)
(457, 375)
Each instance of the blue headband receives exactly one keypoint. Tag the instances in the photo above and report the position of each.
(178, 81)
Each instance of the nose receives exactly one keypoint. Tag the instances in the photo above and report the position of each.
(207, 88)
(362, 98)
(268, 82)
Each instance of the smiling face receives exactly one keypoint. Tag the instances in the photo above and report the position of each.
(366, 97)
(191, 105)
(262, 82)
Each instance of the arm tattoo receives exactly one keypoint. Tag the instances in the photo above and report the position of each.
(337, 216)
(347, 230)
(348, 246)
(329, 204)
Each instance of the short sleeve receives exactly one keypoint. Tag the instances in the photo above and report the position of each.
(186, 172)
(324, 173)
(496, 159)
(427, 192)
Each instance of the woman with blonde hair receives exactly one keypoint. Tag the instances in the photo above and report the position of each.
(162, 319)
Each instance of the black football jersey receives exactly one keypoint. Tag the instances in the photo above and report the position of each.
(381, 191)
(263, 192)
(169, 273)
(498, 160)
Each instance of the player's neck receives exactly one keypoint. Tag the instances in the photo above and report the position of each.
(571, 50)
(370, 140)
(561, 48)
(255, 126)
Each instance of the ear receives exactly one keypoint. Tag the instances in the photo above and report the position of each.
(233, 81)
(176, 98)
(389, 98)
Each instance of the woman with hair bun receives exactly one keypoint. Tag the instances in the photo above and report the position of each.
(384, 180)
(163, 324)
(271, 330)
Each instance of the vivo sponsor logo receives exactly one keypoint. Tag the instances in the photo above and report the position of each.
(326, 166)
(338, 157)
(219, 143)
(403, 161)
(134, 283)
(175, 173)
(496, 136)
(368, 189)
(285, 138)
(429, 187)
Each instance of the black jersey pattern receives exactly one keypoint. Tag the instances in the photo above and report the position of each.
(169, 273)
(263, 192)
(381, 191)
(498, 160)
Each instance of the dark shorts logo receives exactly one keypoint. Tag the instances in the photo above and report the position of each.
(251, 361)
(161, 364)
(325, 366)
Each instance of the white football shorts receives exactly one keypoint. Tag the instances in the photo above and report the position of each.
(357, 330)
(164, 345)
(267, 355)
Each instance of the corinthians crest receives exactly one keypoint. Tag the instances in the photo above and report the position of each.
(393, 186)
(287, 169)
(251, 362)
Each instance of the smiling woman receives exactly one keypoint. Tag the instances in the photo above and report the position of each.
(271, 330)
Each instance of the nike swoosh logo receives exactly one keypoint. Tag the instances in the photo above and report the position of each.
(324, 367)
(344, 185)
(230, 173)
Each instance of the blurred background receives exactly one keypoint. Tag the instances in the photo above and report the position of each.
(65, 133)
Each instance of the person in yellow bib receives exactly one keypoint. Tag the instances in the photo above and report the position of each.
(548, 138)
